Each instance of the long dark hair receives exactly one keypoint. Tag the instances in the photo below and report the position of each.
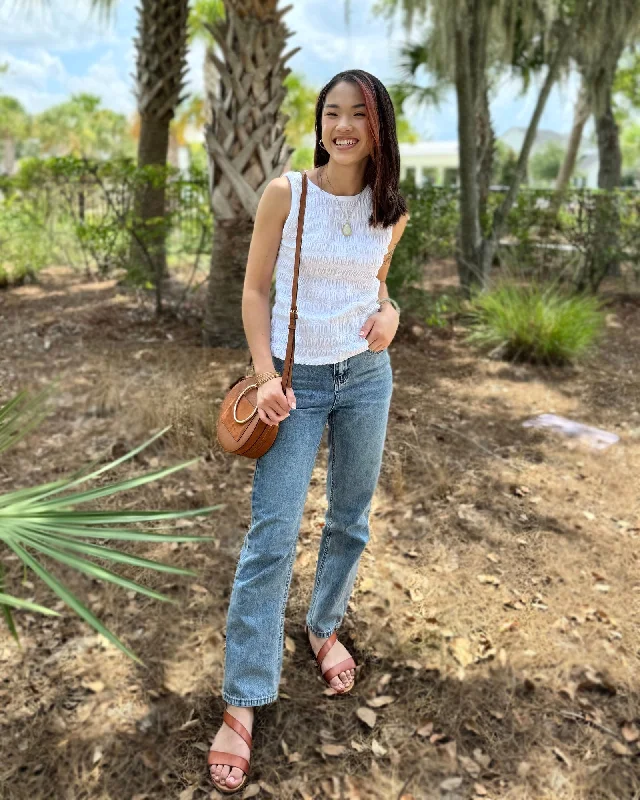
(383, 167)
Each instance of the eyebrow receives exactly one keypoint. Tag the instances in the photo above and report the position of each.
(334, 105)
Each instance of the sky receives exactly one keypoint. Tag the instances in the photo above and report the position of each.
(65, 49)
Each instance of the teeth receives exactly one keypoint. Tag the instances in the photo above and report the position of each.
(346, 141)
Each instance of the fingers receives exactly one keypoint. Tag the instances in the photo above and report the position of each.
(273, 404)
(366, 328)
(291, 398)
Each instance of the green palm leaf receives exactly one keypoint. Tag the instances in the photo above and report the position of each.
(44, 519)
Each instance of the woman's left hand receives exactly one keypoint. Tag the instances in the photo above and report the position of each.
(381, 327)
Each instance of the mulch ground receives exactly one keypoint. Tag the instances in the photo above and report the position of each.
(496, 615)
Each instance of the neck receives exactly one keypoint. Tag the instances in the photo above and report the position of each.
(344, 179)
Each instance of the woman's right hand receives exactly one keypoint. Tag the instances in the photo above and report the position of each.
(273, 404)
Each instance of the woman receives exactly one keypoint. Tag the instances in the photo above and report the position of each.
(342, 377)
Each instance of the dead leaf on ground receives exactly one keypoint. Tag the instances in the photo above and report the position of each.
(425, 730)
(450, 784)
(384, 681)
(562, 757)
(480, 790)
(460, 649)
(290, 644)
(379, 702)
(252, 790)
(489, 579)
(367, 715)
(469, 765)
(377, 748)
(630, 732)
(333, 750)
(187, 794)
(621, 749)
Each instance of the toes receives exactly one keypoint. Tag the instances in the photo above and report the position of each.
(235, 777)
(215, 771)
(336, 684)
(225, 772)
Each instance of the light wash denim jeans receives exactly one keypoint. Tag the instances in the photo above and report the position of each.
(353, 397)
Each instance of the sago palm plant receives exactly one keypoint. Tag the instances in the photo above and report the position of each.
(45, 521)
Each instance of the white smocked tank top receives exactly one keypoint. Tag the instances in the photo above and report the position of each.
(337, 284)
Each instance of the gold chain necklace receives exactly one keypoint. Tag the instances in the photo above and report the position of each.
(346, 227)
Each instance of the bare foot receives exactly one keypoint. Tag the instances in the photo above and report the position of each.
(228, 741)
(338, 653)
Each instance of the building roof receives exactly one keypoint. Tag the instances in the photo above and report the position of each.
(429, 148)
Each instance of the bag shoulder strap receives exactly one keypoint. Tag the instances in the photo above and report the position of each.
(287, 370)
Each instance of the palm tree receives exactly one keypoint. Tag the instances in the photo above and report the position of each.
(160, 71)
(467, 38)
(161, 65)
(606, 29)
(14, 126)
(44, 521)
(246, 146)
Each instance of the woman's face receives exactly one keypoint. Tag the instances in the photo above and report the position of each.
(345, 128)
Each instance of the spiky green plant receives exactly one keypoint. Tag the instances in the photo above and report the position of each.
(43, 521)
(540, 324)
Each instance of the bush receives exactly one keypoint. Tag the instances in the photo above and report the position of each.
(536, 323)
(430, 233)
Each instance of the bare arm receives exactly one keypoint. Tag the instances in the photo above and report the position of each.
(381, 327)
(273, 210)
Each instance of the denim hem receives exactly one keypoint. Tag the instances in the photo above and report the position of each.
(320, 634)
(242, 702)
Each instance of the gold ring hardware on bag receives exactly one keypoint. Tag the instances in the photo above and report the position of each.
(239, 398)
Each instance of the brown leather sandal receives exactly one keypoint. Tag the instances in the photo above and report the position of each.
(228, 759)
(330, 674)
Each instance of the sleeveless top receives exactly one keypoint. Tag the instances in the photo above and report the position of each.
(337, 283)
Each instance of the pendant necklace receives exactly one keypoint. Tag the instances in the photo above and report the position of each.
(346, 227)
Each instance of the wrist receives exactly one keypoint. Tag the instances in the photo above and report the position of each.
(387, 305)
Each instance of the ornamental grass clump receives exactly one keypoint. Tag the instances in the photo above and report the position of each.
(538, 324)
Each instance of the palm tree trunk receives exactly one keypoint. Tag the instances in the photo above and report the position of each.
(161, 66)
(246, 148)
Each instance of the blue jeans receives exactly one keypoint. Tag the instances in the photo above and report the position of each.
(353, 397)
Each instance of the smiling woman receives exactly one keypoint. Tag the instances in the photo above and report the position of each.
(352, 217)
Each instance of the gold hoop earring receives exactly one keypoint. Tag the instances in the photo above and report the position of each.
(321, 144)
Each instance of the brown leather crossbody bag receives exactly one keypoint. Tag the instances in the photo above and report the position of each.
(240, 429)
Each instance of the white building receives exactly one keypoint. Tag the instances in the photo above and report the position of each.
(430, 162)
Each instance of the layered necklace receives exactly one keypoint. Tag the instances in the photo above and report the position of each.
(346, 226)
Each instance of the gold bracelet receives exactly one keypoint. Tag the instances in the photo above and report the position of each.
(263, 377)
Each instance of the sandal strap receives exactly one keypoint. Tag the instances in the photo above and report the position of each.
(238, 727)
(217, 757)
(322, 652)
(343, 666)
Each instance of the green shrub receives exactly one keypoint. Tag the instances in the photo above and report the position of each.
(430, 233)
(535, 323)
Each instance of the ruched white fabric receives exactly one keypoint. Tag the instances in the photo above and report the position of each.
(337, 285)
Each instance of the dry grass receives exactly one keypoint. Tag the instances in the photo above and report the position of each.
(517, 682)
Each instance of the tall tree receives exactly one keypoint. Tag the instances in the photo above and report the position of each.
(581, 113)
(461, 35)
(14, 126)
(161, 65)
(246, 145)
(605, 30)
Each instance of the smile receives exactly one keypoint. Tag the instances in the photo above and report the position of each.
(344, 143)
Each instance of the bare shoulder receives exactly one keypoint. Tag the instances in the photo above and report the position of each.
(398, 228)
(276, 199)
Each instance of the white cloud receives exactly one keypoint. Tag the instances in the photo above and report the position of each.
(54, 27)
(104, 79)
